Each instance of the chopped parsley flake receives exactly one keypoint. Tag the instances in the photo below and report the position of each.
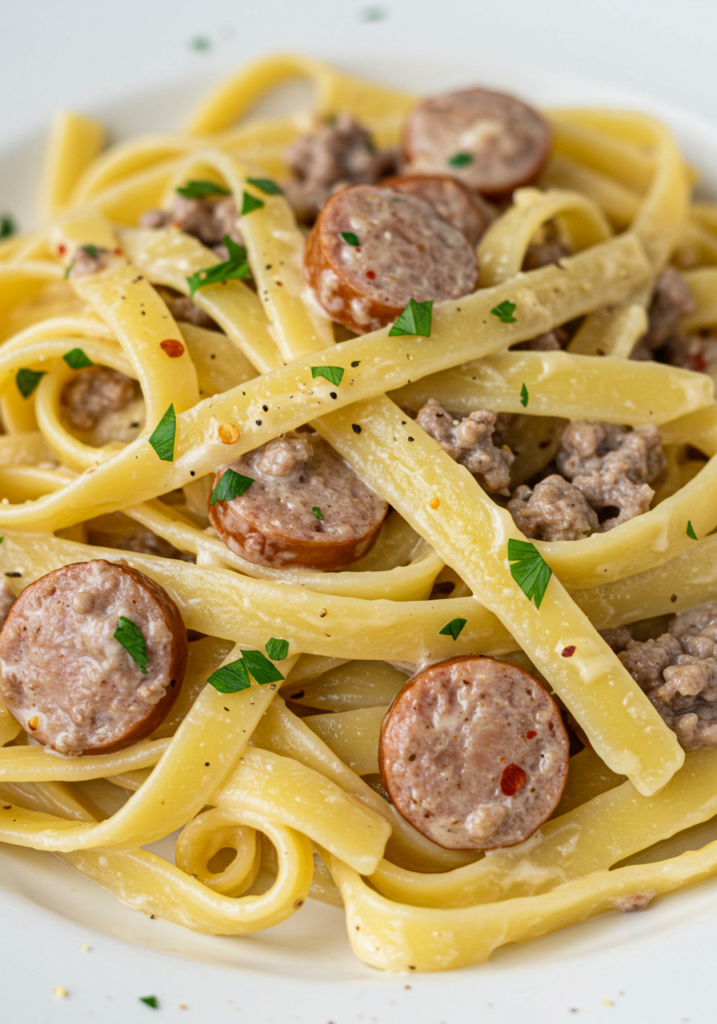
(267, 186)
(415, 319)
(350, 238)
(236, 267)
(453, 628)
(531, 572)
(317, 512)
(249, 203)
(162, 437)
(130, 636)
(76, 359)
(504, 311)
(691, 531)
(201, 189)
(372, 14)
(7, 226)
(234, 677)
(332, 373)
(231, 485)
(27, 380)
(277, 649)
(199, 43)
(524, 397)
(459, 160)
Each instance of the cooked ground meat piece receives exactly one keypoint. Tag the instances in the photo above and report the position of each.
(691, 352)
(553, 510)
(678, 672)
(543, 343)
(92, 393)
(208, 219)
(336, 155)
(88, 259)
(672, 301)
(613, 467)
(470, 442)
(542, 254)
(184, 310)
(617, 639)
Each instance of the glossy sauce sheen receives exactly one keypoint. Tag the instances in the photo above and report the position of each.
(64, 676)
(406, 251)
(507, 141)
(274, 523)
(474, 754)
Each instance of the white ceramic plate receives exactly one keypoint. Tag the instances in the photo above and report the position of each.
(639, 967)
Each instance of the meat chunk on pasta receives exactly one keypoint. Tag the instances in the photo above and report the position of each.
(553, 510)
(470, 442)
(678, 672)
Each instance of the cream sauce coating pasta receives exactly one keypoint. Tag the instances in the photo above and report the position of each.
(276, 771)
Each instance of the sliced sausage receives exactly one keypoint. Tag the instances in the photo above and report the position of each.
(465, 210)
(491, 142)
(405, 251)
(65, 677)
(275, 521)
(474, 754)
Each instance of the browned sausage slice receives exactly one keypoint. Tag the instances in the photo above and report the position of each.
(474, 754)
(492, 142)
(276, 522)
(405, 251)
(465, 210)
(64, 676)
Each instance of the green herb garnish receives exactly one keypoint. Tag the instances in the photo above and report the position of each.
(162, 437)
(259, 666)
(350, 238)
(27, 380)
(332, 373)
(453, 628)
(200, 43)
(201, 189)
(231, 485)
(233, 268)
(150, 1001)
(317, 512)
(504, 311)
(234, 677)
(267, 186)
(277, 649)
(531, 572)
(249, 203)
(691, 531)
(460, 160)
(76, 359)
(524, 397)
(7, 226)
(373, 14)
(130, 636)
(415, 319)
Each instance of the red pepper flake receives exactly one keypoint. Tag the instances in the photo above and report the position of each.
(172, 347)
(512, 779)
(699, 363)
(370, 274)
(531, 734)
(62, 249)
(117, 252)
(568, 652)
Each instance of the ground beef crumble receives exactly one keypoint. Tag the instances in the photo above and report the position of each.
(553, 510)
(470, 442)
(678, 672)
(336, 155)
(208, 219)
(92, 393)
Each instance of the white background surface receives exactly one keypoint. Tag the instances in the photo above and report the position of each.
(655, 967)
